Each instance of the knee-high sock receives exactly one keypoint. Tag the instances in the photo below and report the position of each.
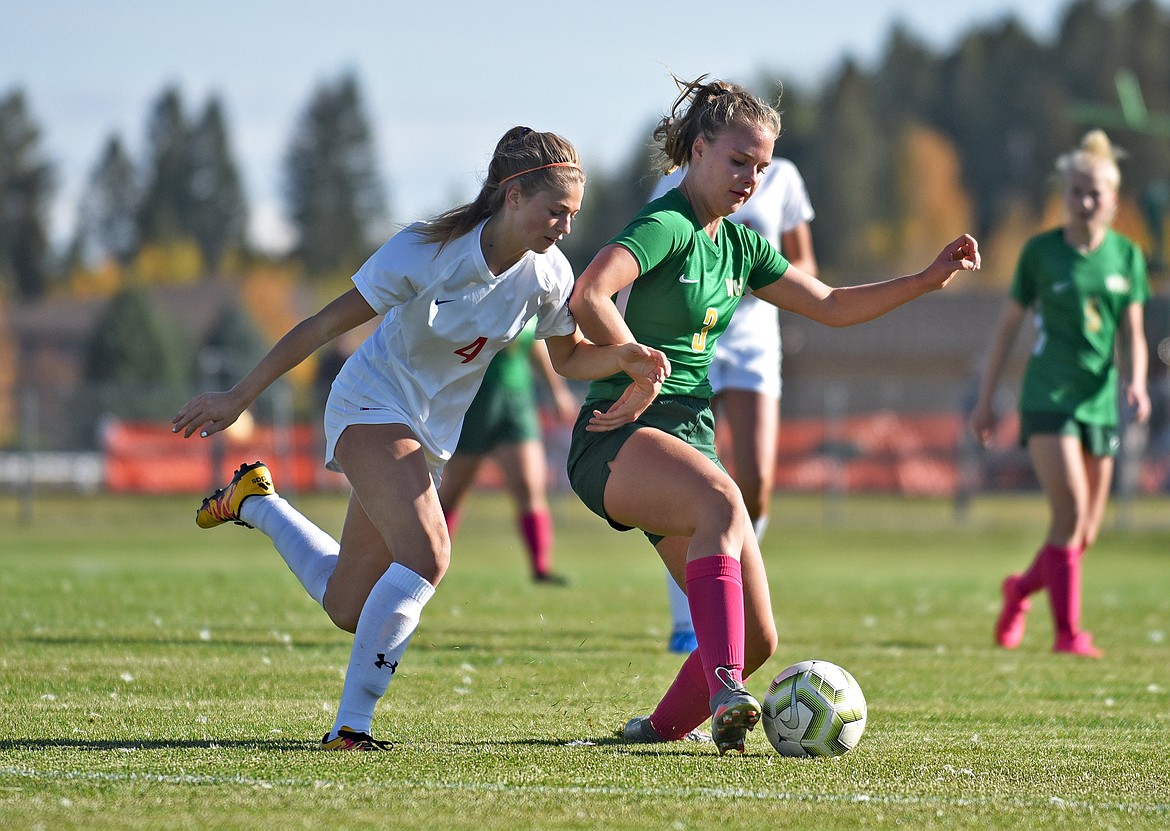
(686, 704)
(715, 592)
(1032, 580)
(1062, 576)
(537, 529)
(310, 553)
(760, 525)
(680, 607)
(387, 621)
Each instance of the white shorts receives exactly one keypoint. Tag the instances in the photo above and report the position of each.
(341, 413)
(750, 358)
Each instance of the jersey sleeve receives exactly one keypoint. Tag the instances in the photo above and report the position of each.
(554, 318)
(796, 207)
(391, 275)
(653, 235)
(768, 264)
(1140, 280)
(1023, 288)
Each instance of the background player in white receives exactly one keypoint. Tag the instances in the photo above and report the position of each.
(745, 374)
(453, 292)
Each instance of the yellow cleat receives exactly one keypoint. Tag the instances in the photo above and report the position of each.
(353, 740)
(224, 505)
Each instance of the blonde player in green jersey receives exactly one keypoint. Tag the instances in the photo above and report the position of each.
(452, 292)
(672, 279)
(1086, 285)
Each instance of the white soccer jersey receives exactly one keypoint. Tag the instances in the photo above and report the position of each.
(445, 316)
(779, 204)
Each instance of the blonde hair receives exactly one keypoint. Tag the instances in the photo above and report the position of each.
(1095, 151)
(707, 108)
(534, 161)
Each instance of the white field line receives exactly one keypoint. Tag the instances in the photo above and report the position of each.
(582, 790)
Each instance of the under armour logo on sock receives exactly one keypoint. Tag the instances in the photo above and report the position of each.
(382, 662)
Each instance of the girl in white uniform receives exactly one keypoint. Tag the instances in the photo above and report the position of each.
(453, 292)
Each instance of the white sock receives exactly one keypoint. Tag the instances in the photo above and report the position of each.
(387, 621)
(760, 526)
(310, 553)
(680, 608)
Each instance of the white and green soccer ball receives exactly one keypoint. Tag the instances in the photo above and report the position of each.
(814, 708)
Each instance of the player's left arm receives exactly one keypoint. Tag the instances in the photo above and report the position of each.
(802, 293)
(1136, 391)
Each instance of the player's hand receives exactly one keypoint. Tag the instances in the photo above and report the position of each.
(643, 363)
(983, 421)
(647, 368)
(1138, 399)
(208, 412)
(960, 255)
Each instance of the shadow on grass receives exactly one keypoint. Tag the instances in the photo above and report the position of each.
(102, 746)
(292, 746)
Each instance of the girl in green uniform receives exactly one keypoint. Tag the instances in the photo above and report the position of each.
(672, 280)
(1085, 283)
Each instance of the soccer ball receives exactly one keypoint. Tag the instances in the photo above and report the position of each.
(814, 708)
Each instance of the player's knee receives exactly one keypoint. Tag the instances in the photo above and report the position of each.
(723, 504)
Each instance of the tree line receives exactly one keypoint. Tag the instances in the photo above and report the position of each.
(965, 138)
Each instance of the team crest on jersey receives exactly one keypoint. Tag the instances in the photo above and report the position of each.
(1117, 284)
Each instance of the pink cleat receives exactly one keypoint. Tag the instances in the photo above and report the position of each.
(1009, 629)
(1079, 644)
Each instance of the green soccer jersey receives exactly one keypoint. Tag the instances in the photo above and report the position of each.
(1079, 301)
(687, 289)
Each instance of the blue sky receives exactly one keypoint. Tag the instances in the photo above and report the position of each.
(442, 80)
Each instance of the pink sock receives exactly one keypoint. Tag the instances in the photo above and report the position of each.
(536, 526)
(1032, 580)
(685, 705)
(1062, 576)
(452, 518)
(715, 594)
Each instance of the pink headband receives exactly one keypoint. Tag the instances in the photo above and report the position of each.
(534, 169)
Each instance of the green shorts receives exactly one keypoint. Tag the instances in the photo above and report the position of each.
(498, 415)
(1097, 439)
(590, 454)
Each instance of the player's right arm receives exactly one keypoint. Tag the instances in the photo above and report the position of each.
(210, 412)
(592, 304)
(983, 417)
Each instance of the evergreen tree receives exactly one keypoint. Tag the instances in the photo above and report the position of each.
(610, 202)
(333, 194)
(26, 185)
(164, 213)
(233, 347)
(848, 165)
(218, 210)
(107, 224)
(136, 363)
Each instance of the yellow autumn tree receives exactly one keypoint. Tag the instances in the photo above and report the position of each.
(935, 205)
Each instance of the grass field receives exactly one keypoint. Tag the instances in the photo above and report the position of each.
(159, 676)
